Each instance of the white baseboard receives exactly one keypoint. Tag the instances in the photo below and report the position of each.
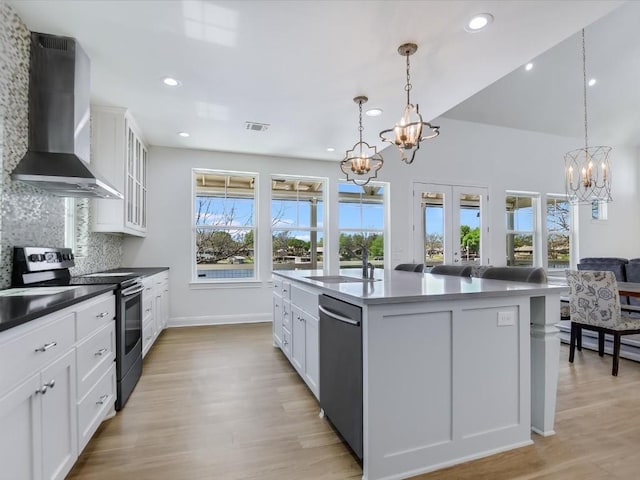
(219, 320)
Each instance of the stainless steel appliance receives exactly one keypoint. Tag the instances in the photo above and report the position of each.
(43, 266)
(341, 368)
(59, 96)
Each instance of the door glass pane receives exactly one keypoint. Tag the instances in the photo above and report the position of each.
(469, 210)
(519, 250)
(433, 209)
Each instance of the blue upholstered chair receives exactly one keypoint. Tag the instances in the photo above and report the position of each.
(516, 274)
(454, 270)
(410, 267)
(594, 305)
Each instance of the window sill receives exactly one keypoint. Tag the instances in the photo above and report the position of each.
(227, 284)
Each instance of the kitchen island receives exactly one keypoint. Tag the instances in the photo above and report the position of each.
(453, 368)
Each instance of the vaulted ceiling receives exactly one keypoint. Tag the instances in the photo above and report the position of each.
(296, 65)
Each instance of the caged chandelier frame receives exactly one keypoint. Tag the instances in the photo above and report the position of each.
(362, 162)
(588, 169)
(408, 132)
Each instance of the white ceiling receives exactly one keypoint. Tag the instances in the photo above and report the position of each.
(549, 97)
(296, 65)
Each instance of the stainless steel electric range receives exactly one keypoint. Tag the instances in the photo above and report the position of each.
(44, 266)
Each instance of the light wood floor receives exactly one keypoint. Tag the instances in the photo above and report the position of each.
(221, 403)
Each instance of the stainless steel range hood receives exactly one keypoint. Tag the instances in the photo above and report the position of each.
(59, 122)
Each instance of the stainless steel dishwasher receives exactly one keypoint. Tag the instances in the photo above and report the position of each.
(341, 368)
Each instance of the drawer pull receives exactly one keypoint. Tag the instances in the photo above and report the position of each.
(147, 309)
(51, 384)
(100, 352)
(42, 390)
(102, 315)
(103, 399)
(46, 347)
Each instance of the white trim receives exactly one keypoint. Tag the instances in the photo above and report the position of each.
(219, 320)
(227, 283)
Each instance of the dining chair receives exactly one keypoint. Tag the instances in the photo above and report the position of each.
(594, 304)
(410, 267)
(516, 274)
(454, 270)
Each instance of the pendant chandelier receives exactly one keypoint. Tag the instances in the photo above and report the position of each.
(587, 170)
(363, 161)
(410, 130)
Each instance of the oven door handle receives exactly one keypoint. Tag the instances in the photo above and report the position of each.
(132, 290)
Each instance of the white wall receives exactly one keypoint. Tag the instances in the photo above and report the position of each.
(465, 153)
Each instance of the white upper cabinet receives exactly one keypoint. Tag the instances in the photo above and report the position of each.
(118, 152)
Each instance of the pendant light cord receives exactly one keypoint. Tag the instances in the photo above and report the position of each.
(584, 83)
(407, 87)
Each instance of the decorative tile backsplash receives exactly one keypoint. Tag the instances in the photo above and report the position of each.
(29, 216)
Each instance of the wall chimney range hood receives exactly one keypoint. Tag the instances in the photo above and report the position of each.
(59, 122)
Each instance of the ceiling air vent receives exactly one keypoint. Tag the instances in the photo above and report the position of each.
(257, 127)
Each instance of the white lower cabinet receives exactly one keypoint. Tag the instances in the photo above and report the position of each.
(67, 357)
(59, 420)
(155, 308)
(295, 329)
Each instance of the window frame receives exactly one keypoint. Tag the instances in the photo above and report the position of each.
(255, 228)
(297, 228)
(384, 231)
(535, 233)
(548, 232)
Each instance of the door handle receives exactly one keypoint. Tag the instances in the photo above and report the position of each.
(338, 317)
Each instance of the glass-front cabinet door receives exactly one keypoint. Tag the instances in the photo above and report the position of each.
(448, 224)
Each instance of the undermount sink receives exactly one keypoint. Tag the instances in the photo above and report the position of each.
(340, 279)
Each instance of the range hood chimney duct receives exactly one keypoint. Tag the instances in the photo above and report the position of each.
(59, 121)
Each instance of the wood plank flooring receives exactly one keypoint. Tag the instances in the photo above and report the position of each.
(222, 403)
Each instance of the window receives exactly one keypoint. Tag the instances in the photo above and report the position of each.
(521, 229)
(297, 223)
(558, 232)
(224, 225)
(361, 212)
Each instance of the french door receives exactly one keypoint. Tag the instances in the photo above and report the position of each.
(449, 224)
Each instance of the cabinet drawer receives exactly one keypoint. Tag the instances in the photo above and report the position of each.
(306, 300)
(286, 315)
(94, 406)
(28, 353)
(286, 342)
(148, 332)
(277, 286)
(286, 290)
(94, 356)
(95, 315)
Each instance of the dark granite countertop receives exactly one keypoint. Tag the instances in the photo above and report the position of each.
(18, 309)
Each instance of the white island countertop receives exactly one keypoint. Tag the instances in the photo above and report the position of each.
(394, 286)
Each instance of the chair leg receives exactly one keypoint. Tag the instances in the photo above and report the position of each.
(572, 344)
(579, 337)
(601, 344)
(616, 354)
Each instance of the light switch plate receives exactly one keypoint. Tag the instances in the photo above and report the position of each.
(506, 319)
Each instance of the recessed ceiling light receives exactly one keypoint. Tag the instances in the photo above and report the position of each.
(478, 22)
(184, 134)
(331, 149)
(171, 82)
(374, 112)
(528, 66)
(592, 82)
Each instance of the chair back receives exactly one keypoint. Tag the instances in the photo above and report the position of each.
(517, 274)
(593, 297)
(455, 270)
(410, 267)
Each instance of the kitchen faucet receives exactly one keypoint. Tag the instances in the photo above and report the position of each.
(367, 266)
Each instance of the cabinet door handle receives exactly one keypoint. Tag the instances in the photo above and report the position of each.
(46, 347)
(42, 390)
(102, 315)
(286, 343)
(103, 399)
(50, 384)
(147, 309)
(100, 352)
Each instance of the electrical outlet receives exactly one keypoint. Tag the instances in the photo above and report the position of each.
(506, 319)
